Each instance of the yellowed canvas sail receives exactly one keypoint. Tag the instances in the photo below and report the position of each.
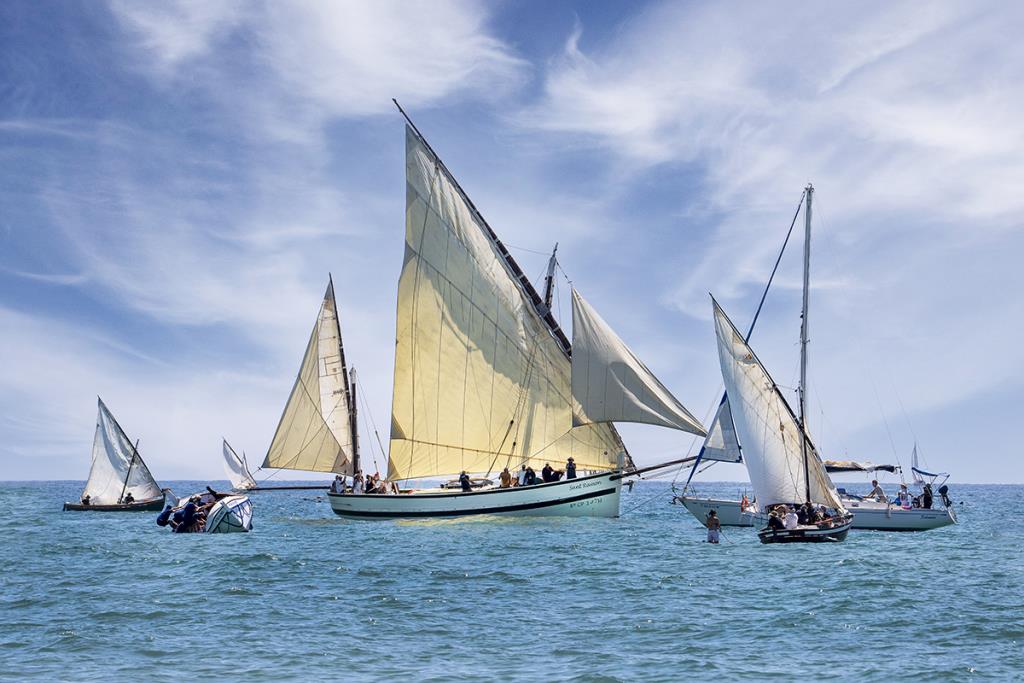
(480, 382)
(315, 433)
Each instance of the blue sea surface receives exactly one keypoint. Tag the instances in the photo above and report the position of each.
(111, 596)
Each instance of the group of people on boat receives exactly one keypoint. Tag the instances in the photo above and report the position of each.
(364, 484)
(790, 517)
(904, 498)
(127, 500)
(528, 477)
(190, 518)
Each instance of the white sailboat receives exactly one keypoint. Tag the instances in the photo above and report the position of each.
(237, 469)
(119, 479)
(784, 466)
(485, 379)
(317, 430)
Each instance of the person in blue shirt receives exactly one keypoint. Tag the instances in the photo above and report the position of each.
(570, 469)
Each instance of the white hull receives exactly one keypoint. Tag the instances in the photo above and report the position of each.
(866, 515)
(230, 515)
(592, 496)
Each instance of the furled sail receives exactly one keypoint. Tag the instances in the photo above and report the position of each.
(767, 428)
(481, 383)
(117, 468)
(720, 443)
(610, 384)
(237, 470)
(315, 431)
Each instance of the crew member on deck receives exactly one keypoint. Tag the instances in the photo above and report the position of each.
(904, 497)
(548, 473)
(86, 499)
(522, 476)
(129, 499)
(877, 492)
(506, 478)
(791, 520)
(570, 469)
(464, 481)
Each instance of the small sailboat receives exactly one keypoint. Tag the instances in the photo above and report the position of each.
(119, 480)
(237, 469)
(317, 430)
(230, 515)
(784, 466)
(485, 378)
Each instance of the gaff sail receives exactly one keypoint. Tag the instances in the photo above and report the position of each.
(316, 431)
(767, 428)
(117, 468)
(237, 469)
(481, 380)
(609, 382)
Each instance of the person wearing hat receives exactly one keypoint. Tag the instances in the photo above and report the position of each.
(570, 469)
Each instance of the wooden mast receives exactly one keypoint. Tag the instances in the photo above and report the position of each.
(803, 340)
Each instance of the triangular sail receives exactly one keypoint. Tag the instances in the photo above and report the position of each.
(237, 470)
(481, 382)
(609, 382)
(767, 428)
(117, 468)
(721, 443)
(315, 431)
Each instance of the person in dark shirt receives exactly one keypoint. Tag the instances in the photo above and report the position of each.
(464, 481)
(129, 499)
(570, 469)
(86, 499)
(531, 476)
(775, 522)
(164, 518)
(548, 473)
(926, 497)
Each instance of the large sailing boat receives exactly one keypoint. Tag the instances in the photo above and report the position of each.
(119, 480)
(485, 379)
(317, 431)
(784, 466)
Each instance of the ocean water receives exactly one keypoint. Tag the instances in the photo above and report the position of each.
(308, 596)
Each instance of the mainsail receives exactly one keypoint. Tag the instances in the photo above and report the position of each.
(481, 381)
(237, 469)
(117, 468)
(610, 384)
(720, 443)
(766, 427)
(316, 430)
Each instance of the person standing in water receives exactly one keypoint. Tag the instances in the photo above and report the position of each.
(714, 526)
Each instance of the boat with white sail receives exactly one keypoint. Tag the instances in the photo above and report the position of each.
(236, 467)
(786, 472)
(486, 380)
(119, 480)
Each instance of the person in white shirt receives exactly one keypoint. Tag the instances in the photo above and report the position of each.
(522, 475)
(905, 498)
(791, 520)
(877, 493)
(357, 483)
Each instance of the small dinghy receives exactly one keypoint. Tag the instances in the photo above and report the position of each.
(119, 480)
(230, 515)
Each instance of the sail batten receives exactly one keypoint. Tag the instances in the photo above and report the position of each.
(611, 384)
(117, 468)
(481, 379)
(768, 431)
(315, 430)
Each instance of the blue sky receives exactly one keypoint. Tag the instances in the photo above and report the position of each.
(178, 179)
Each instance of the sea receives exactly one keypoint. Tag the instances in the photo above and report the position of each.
(88, 596)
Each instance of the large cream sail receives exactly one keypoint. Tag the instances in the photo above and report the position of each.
(117, 468)
(766, 427)
(610, 384)
(315, 431)
(480, 382)
(720, 443)
(237, 470)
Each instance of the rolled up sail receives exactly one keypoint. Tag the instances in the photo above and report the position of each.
(481, 382)
(315, 431)
(609, 382)
(766, 427)
(237, 470)
(117, 468)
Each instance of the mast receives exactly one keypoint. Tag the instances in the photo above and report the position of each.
(353, 423)
(131, 464)
(549, 281)
(803, 339)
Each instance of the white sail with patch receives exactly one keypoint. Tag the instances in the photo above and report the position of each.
(316, 432)
(237, 469)
(611, 384)
(117, 468)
